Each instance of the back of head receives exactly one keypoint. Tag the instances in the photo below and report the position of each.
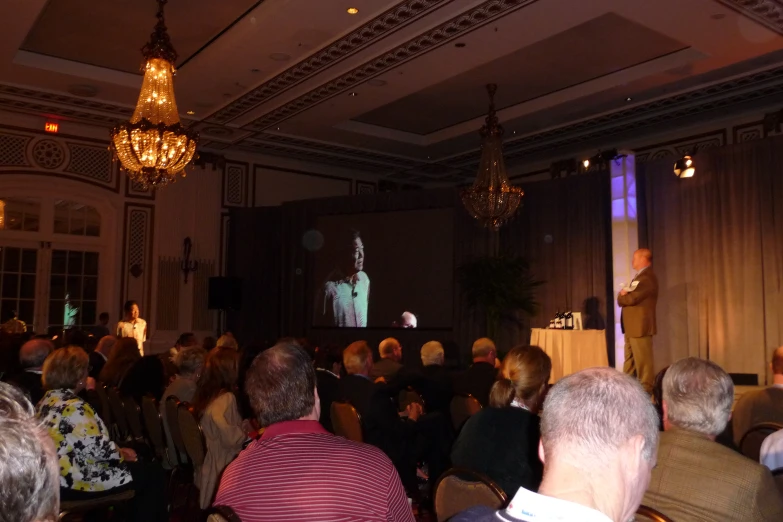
(34, 353)
(106, 345)
(777, 361)
(227, 341)
(327, 356)
(483, 347)
(218, 376)
(432, 353)
(190, 361)
(523, 376)
(387, 347)
(186, 339)
(123, 356)
(357, 357)
(29, 469)
(65, 368)
(590, 415)
(698, 396)
(281, 384)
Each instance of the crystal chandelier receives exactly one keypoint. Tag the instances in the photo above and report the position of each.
(154, 147)
(492, 199)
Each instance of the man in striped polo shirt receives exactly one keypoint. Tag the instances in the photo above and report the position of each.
(297, 470)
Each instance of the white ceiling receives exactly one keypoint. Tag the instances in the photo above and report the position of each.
(277, 76)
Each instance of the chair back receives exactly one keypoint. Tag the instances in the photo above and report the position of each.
(750, 443)
(462, 408)
(76, 509)
(459, 489)
(346, 421)
(172, 419)
(133, 415)
(105, 413)
(95, 401)
(154, 426)
(647, 513)
(118, 413)
(409, 396)
(192, 436)
(222, 514)
(777, 475)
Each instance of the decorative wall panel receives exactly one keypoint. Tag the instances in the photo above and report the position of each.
(137, 255)
(682, 146)
(235, 184)
(203, 318)
(12, 150)
(167, 309)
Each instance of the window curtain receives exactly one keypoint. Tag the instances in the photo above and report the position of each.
(717, 243)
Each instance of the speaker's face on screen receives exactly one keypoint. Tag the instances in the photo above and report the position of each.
(358, 254)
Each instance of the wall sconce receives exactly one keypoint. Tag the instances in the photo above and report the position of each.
(188, 265)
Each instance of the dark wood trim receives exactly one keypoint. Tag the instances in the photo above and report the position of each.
(358, 182)
(529, 174)
(223, 255)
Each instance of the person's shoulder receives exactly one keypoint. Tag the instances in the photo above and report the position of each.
(362, 276)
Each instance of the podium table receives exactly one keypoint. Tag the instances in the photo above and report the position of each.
(571, 350)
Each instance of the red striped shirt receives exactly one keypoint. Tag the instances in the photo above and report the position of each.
(299, 471)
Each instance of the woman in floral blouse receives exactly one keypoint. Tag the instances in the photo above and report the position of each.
(91, 464)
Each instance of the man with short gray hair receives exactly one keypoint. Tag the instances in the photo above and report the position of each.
(696, 477)
(390, 351)
(31, 358)
(599, 439)
(479, 378)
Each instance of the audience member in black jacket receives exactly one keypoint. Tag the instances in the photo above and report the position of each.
(434, 382)
(32, 355)
(328, 364)
(479, 378)
(501, 441)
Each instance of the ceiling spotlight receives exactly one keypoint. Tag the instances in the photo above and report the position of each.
(628, 99)
(354, 94)
(352, 11)
(191, 112)
(684, 167)
(586, 163)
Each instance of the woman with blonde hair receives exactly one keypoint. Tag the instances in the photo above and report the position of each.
(224, 430)
(501, 441)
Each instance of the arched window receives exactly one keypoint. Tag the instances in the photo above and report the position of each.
(20, 214)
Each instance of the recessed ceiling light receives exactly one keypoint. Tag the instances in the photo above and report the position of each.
(628, 99)
(375, 82)
(191, 112)
(353, 10)
(460, 45)
(354, 94)
(280, 57)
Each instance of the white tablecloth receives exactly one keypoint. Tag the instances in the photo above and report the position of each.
(571, 350)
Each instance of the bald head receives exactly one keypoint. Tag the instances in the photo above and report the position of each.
(33, 353)
(357, 358)
(390, 349)
(642, 258)
(777, 361)
(484, 350)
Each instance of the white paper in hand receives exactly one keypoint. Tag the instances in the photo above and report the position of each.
(631, 287)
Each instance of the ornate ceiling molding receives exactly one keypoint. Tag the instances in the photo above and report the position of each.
(379, 157)
(766, 12)
(28, 107)
(377, 28)
(422, 44)
(63, 99)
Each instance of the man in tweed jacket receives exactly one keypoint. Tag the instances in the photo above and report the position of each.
(696, 478)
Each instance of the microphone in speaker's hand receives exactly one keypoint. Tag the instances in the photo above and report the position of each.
(354, 294)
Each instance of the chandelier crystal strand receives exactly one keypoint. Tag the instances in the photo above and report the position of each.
(492, 199)
(154, 147)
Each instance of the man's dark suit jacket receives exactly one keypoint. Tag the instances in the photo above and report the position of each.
(386, 368)
(381, 424)
(434, 384)
(476, 381)
(96, 364)
(328, 390)
(638, 307)
(30, 383)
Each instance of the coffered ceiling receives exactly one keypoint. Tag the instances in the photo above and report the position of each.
(398, 88)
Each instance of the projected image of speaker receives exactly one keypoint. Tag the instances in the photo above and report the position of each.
(225, 293)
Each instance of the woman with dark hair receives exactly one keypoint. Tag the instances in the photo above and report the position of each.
(132, 325)
(501, 441)
(124, 355)
(224, 430)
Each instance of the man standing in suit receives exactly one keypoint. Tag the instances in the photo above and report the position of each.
(638, 320)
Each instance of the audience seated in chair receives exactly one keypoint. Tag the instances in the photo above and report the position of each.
(101, 354)
(328, 365)
(479, 378)
(758, 406)
(224, 430)
(297, 470)
(434, 382)
(389, 364)
(122, 358)
(501, 441)
(696, 478)
(599, 436)
(147, 376)
(189, 362)
(31, 358)
(185, 340)
(91, 465)
(29, 467)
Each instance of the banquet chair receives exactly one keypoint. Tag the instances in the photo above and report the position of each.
(118, 414)
(750, 443)
(133, 415)
(172, 418)
(346, 421)
(192, 436)
(777, 475)
(462, 408)
(646, 513)
(222, 514)
(154, 427)
(459, 489)
(77, 509)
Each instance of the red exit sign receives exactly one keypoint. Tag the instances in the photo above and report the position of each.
(51, 126)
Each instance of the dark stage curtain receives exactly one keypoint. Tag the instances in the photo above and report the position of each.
(573, 211)
(717, 243)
